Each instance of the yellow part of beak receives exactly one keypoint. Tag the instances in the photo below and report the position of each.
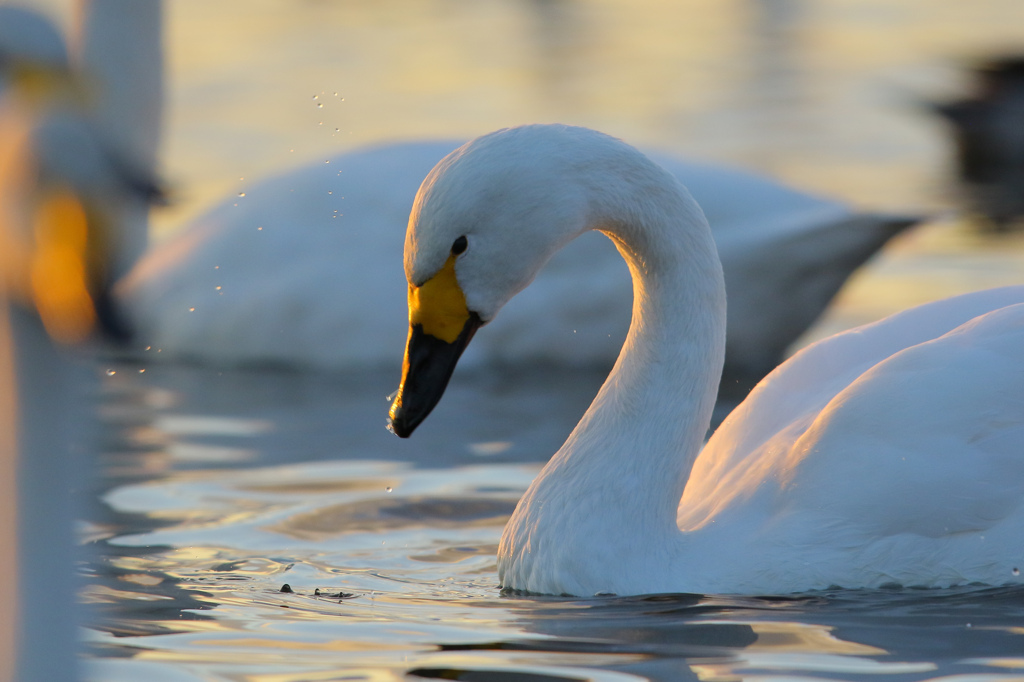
(46, 83)
(438, 305)
(58, 268)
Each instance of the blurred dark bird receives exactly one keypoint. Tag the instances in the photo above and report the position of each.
(988, 131)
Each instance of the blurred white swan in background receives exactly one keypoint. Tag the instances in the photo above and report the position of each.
(887, 454)
(63, 188)
(301, 270)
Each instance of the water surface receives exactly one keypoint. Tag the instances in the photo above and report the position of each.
(221, 487)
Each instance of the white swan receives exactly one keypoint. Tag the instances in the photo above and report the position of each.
(36, 539)
(299, 271)
(60, 186)
(887, 454)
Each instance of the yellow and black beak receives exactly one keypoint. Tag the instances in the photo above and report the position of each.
(41, 82)
(62, 271)
(440, 328)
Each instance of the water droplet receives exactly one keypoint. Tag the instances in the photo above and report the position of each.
(327, 161)
(217, 288)
(191, 310)
(1016, 571)
(142, 371)
(316, 96)
(111, 372)
(968, 625)
(391, 396)
(148, 347)
(259, 229)
(216, 267)
(320, 105)
(241, 194)
(335, 94)
(330, 192)
(388, 489)
(490, 448)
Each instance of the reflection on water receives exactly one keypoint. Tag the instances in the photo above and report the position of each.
(390, 558)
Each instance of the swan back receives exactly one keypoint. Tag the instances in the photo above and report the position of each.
(771, 431)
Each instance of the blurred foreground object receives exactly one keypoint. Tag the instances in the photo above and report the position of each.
(988, 130)
(43, 263)
(61, 191)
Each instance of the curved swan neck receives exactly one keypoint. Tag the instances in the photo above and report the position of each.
(657, 400)
(120, 47)
(610, 493)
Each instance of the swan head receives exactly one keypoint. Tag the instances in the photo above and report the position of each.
(485, 221)
(33, 56)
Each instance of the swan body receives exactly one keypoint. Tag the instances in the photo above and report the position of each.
(886, 454)
(299, 271)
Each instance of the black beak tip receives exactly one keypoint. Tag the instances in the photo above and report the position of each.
(399, 425)
(402, 420)
(430, 362)
(113, 323)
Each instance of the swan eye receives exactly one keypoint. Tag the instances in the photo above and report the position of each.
(459, 246)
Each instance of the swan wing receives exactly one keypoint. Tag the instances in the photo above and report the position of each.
(927, 442)
(767, 441)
